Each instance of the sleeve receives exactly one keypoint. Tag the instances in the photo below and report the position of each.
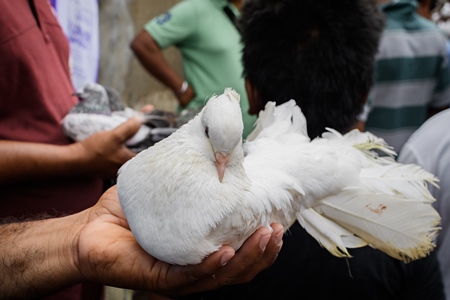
(409, 155)
(173, 27)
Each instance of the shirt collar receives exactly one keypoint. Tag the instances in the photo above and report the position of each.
(222, 3)
(395, 3)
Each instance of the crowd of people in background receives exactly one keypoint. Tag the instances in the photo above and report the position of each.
(375, 65)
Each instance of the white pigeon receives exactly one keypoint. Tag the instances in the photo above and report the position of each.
(101, 109)
(201, 188)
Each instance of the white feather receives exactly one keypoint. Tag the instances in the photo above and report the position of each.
(387, 222)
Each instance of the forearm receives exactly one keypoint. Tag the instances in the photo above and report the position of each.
(39, 256)
(153, 60)
(23, 161)
(99, 155)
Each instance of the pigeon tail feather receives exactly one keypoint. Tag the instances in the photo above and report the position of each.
(388, 223)
(333, 237)
(387, 206)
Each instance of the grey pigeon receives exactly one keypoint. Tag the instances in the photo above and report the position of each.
(102, 108)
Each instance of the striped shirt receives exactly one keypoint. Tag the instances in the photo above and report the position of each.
(411, 74)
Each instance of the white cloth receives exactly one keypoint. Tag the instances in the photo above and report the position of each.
(80, 22)
(429, 147)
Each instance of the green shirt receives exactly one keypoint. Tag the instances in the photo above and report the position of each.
(210, 46)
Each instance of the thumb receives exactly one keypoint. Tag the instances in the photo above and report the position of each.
(127, 129)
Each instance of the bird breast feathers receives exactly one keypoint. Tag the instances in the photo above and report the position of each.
(182, 179)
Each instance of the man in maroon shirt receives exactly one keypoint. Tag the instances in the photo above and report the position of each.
(42, 171)
(39, 165)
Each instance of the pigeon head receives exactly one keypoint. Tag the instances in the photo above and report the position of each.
(221, 119)
(93, 99)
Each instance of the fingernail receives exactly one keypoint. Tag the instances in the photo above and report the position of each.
(263, 241)
(226, 258)
(279, 238)
(280, 245)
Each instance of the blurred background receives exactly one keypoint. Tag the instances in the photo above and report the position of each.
(118, 22)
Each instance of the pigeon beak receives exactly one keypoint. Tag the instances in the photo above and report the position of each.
(221, 163)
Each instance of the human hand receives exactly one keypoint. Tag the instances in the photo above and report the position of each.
(103, 153)
(147, 108)
(107, 252)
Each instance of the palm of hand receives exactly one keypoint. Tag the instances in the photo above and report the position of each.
(109, 253)
(112, 253)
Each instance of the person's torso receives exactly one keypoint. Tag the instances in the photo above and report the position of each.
(210, 47)
(36, 93)
(411, 75)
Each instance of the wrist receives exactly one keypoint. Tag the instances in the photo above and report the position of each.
(78, 223)
(61, 255)
(41, 256)
(80, 161)
(62, 235)
(183, 89)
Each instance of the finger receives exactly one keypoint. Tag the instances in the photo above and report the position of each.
(128, 128)
(147, 108)
(246, 258)
(226, 267)
(212, 264)
(109, 194)
(250, 258)
(272, 249)
(239, 269)
(110, 205)
(191, 279)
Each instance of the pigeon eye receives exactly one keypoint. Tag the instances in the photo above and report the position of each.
(207, 132)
